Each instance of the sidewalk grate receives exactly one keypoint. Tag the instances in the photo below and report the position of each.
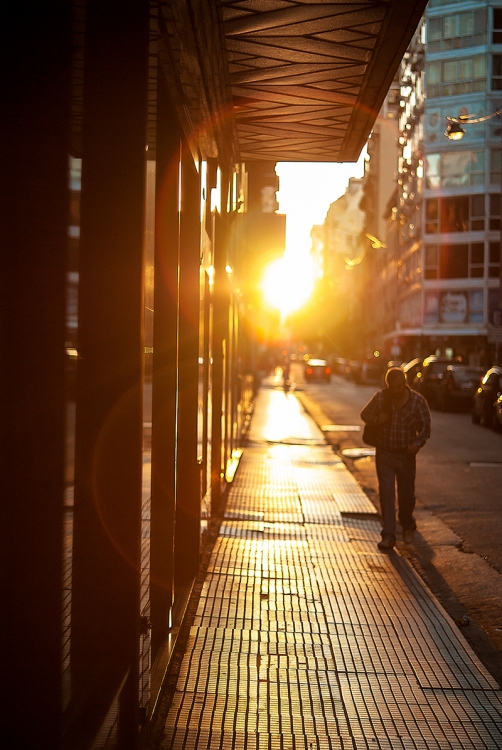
(306, 637)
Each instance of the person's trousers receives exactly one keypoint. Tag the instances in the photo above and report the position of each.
(396, 469)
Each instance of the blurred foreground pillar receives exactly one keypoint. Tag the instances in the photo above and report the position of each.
(109, 416)
(165, 334)
(34, 205)
(220, 333)
(188, 500)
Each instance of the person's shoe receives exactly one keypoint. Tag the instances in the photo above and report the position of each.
(386, 543)
(408, 536)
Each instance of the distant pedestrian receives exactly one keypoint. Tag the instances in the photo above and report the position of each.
(404, 424)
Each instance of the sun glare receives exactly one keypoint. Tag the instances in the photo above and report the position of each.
(288, 283)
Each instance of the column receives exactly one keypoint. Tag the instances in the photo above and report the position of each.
(164, 366)
(34, 203)
(108, 460)
(188, 501)
(220, 330)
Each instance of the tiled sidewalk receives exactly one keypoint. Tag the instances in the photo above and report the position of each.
(305, 635)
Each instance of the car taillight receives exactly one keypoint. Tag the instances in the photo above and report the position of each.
(309, 371)
(328, 370)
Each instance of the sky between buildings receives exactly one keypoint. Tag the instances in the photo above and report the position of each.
(305, 193)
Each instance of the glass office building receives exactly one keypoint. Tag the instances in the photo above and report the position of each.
(441, 266)
(461, 199)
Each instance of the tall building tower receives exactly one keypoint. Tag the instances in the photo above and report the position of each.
(436, 284)
(393, 197)
(460, 268)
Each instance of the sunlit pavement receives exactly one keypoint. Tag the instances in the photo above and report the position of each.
(305, 635)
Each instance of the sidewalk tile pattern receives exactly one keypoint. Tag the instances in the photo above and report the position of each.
(305, 635)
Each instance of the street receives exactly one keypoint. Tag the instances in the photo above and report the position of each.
(457, 547)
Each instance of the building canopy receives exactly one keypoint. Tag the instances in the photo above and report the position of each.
(284, 80)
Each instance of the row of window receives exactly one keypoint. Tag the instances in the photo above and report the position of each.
(448, 306)
(452, 261)
(458, 168)
(465, 29)
(461, 213)
(463, 76)
(455, 168)
(461, 261)
(463, 306)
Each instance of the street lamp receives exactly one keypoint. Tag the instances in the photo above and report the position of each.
(455, 132)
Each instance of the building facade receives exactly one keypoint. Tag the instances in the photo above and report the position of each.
(461, 207)
(337, 251)
(442, 265)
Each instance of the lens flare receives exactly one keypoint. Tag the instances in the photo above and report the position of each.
(288, 283)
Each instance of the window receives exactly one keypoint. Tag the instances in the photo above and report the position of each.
(434, 32)
(477, 213)
(476, 260)
(431, 216)
(494, 211)
(431, 262)
(497, 26)
(495, 172)
(433, 75)
(456, 30)
(462, 213)
(494, 311)
(433, 171)
(450, 26)
(453, 77)
(454, 214)
(476, 306)
(449, 70)
(494, 260)
(455, 168)
(496, 72)
(454, 261)
(454, 306)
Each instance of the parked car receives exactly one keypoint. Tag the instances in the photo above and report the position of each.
(483, 408)
(317, 369)
(497, 423)
(353, 369)
(428, 378)
(458, 386)
(340, 366)
(370, 371)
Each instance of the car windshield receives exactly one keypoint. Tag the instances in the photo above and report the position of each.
(437, 367)
(465, 374)
(316, 363)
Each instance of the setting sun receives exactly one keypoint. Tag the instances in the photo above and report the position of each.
(288, 283)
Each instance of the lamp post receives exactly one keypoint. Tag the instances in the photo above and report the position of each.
(455, 132)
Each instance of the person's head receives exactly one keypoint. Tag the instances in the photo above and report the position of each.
(395, 379)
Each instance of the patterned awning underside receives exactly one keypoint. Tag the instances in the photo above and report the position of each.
(308, 77)
(282, 80)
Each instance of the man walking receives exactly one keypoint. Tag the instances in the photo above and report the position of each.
(404, 425)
